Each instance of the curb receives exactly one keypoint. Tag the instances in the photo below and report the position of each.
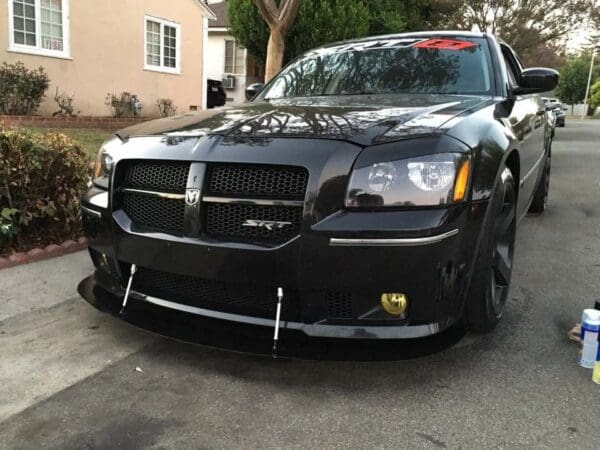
(40, 254)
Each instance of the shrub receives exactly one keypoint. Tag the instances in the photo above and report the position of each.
(21, 90)
(166, 107)
(595, 95)
(65, 102)
(41, 180)
(124, 104)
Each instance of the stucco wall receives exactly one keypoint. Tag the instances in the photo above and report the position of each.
(107, 51)
(216, 65)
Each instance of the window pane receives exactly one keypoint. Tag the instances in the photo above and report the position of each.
(18, 8)
(29, 11)
(30, 39)
(52, 32)
(153, 60)
(30, 25)
(170, 44)
(19, 24)
(229, 49)
(19, 37)
(239, 59)
(152, 43)
(153, 27)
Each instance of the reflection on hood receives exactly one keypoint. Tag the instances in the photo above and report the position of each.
(365, 119)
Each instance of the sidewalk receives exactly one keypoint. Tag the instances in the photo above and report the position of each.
(50, 338)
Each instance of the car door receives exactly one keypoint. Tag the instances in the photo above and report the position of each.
(527, 120)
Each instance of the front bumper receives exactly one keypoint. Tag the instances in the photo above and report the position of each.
(258, 339)
(426, 254)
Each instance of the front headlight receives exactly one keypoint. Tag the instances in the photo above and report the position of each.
(431, 180)
(105, 162)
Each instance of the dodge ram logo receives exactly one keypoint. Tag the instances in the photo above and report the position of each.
(192, 196)
(268, 224)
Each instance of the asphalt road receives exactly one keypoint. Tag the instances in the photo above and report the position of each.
(68, 375)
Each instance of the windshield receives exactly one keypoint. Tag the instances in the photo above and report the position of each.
(414, 66)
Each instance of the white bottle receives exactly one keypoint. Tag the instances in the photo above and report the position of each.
(590, 327)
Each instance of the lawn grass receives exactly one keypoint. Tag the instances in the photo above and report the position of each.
(90, 138)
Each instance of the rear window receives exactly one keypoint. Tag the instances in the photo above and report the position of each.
(418, 66)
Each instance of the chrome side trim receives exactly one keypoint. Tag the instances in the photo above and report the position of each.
(400, 242)
(253, 201)
(155, 193)
(91, 212)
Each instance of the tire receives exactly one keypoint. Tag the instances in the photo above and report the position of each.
(540, 198)
(489, 287)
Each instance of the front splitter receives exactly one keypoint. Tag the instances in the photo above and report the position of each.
(256, 339)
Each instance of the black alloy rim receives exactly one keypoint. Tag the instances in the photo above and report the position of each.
(503, 249)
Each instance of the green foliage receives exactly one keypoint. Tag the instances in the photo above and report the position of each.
(41, 180)
(323, 21)
(573, 79)
(595, 95)
(21, 90)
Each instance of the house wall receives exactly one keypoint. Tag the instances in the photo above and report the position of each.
(107, 55)
(216, 66)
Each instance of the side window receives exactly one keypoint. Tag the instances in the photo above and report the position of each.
(512, 67)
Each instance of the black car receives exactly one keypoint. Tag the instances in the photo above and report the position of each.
(371, 190)
(215, 94)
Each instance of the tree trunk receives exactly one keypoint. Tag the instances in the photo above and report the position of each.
(275, 51)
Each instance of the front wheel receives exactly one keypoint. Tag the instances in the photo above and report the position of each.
(491, 278)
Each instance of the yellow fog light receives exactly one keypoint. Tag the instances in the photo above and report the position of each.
(394, 303)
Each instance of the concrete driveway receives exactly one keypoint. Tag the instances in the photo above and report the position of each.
(68, 375)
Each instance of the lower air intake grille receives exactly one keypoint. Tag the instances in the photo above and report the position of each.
(253, 300)
(226, 221)
(339, 305)
(156, 213)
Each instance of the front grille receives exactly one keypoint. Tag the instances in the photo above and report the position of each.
(253, 300)
(164, 176)
(258, 181)
(223, 215)
(339, 305)
(155, 213)
(226, 221)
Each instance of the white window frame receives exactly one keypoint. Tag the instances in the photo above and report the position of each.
(65, 53)
(235, 48)
(162, 68)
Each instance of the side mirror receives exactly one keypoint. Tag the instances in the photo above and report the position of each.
(253, 90)
(537, 79)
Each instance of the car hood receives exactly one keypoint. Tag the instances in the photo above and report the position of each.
(364, 119)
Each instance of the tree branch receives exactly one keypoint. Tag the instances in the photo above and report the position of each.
(268, 10)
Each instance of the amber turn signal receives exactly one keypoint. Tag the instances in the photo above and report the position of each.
(395, 304)
(462, 180)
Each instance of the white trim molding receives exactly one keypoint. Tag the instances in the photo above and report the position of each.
(161, 67)
(209, 14)
(204, 62)
(38, 49)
